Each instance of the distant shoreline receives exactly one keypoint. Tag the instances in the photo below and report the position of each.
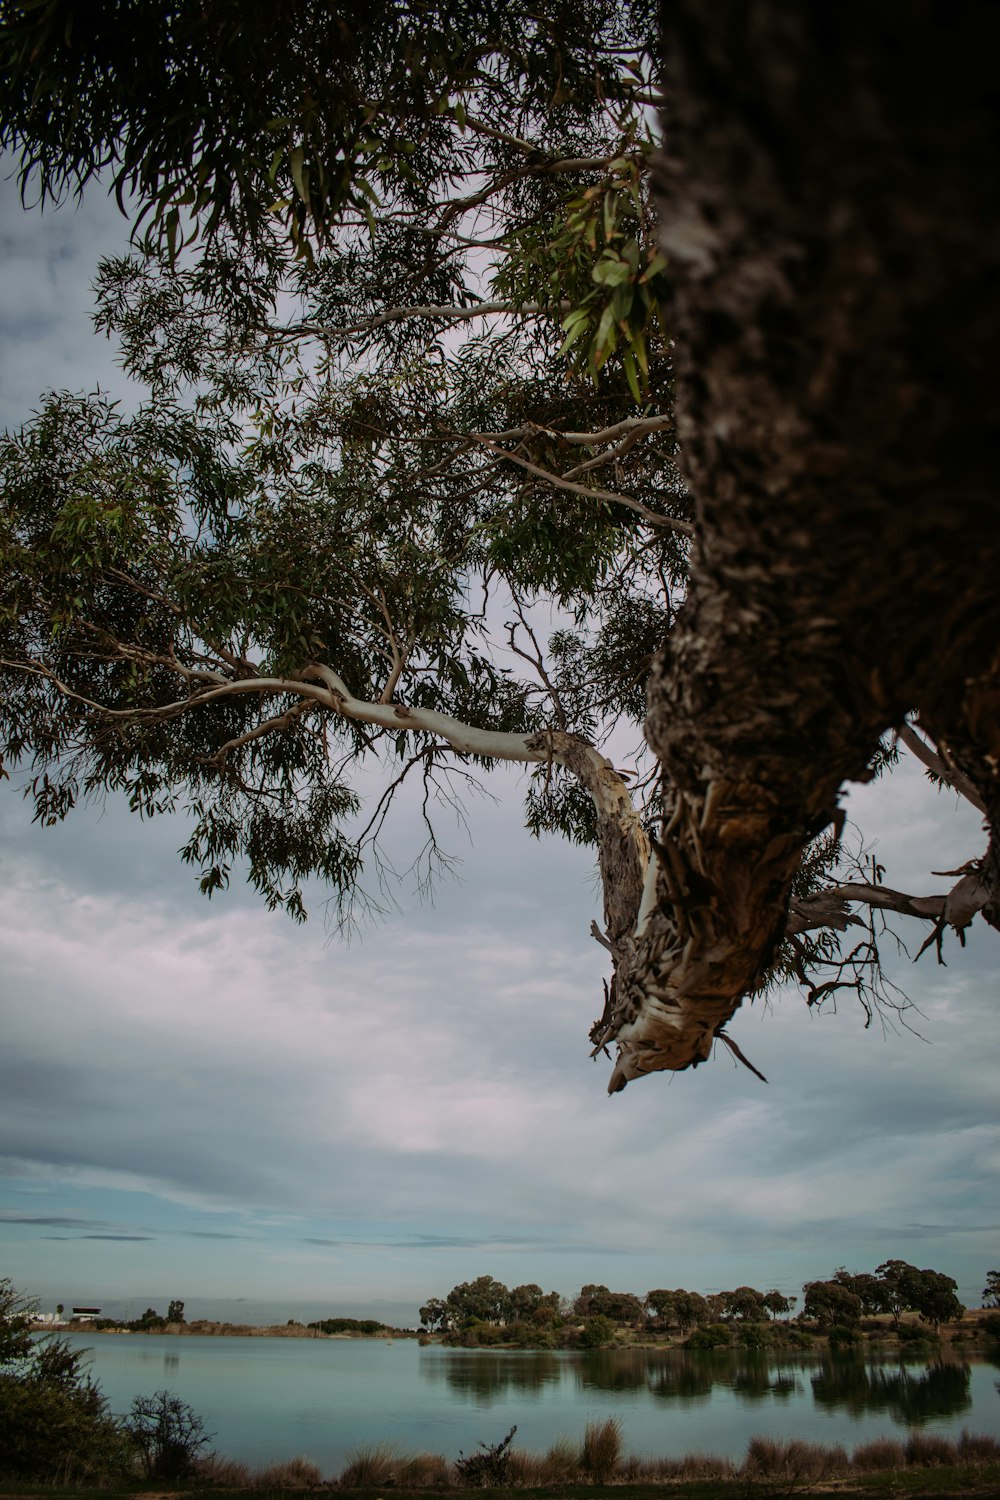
(207, 1328)
(782, 1337)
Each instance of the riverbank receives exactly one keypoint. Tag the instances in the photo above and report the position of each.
(924, 1467)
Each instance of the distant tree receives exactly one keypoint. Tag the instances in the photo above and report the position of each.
(776, 1303)
(690, 1308)
(991, 1291)
(746, 1304)
(435, 1314)
(175, 1312)
(831, 1304)
(484, 1300)
(937, 1299)
(678, 1308)
(928, 1293)
(596, 1301)
(866, 1286)
(150, 1319)
(59, 1309)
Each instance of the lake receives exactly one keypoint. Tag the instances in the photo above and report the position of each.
(267, 1399)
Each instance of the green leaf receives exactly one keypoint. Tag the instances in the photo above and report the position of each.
(296, 158)
(628, 365)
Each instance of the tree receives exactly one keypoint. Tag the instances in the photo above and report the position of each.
(745, 1303)
(483, 1300)
(435, 1314)
(597, 1332)
(596, 1301)
(928, 1293)
(168, 1435)
(55, 1426)
(868, 1288)
(831, 1304)
(194, 619)
(777, 1304)
(991, 1291)
(175, 1312)
(678, 1308)
(938, 1302)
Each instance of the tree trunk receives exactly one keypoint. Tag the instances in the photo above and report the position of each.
(828, 197)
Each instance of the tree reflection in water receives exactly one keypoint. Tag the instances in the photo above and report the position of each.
(911, 1397)
(481, 1375)
(688, 1377)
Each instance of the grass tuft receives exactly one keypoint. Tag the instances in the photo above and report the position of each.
(226, 1473)
(293, 1474)
(602, 1449)
(371, 1465)
(978, 1448)
(879, 1456)
(928, 1449)
(424, 1471)
(770, 1458)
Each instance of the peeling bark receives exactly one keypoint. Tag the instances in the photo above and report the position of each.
(829, 202)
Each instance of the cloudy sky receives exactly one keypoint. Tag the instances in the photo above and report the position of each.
(205, 1101)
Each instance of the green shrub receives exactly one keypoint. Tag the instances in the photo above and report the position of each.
(753, 1336)
(915, 1333)
(596, 1332)
(991, 1326)
(841, 1336)
(55, 1426)
(59, 1433)
(711, 1336)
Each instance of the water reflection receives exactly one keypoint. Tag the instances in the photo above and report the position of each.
(171, 1362)
(910, 1396)
(482, 1376)
(910, 1392)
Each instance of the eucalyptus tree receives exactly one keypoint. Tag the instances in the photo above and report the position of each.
(403, 321)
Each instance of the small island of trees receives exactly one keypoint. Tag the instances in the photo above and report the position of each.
(896, 1299)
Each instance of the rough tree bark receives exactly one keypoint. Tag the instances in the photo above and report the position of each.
(829, 202)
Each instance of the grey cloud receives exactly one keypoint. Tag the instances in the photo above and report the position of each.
(48, 1221)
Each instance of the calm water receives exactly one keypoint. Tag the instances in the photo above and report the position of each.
(271, 1399)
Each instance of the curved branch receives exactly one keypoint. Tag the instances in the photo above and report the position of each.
(939, 767)
(683, 528)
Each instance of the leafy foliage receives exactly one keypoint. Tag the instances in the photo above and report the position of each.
(399, 318)
(345, 99)
(55, 1426)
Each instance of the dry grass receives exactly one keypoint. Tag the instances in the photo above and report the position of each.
(880, 1455)
(293, 1474)
(424, 1471)
(770, 1458)
(602, 1449)
(227, 1473)
(703, 1466)
(978, 1448)
(601, 1459)
(562, 1462)
(927, 1449)
(372, 1465)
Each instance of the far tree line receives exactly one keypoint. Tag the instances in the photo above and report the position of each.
(895, 1288)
